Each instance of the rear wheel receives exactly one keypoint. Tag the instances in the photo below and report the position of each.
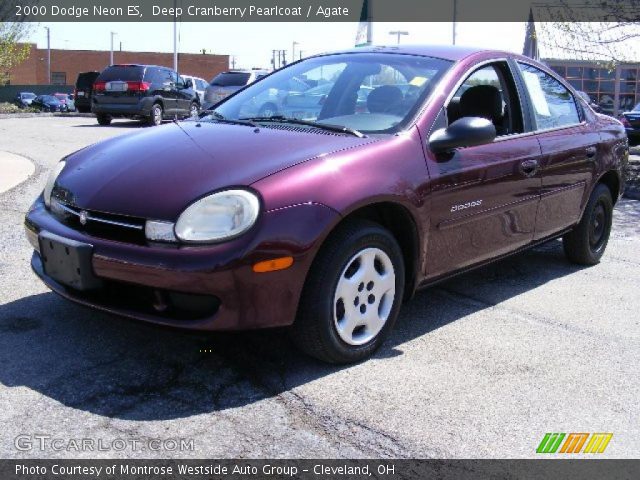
(104, 119)
(155, 116)
(352, 295)
(586, 243)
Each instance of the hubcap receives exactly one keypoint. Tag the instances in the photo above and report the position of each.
(194, 110)
(157, 115)
(364, 296)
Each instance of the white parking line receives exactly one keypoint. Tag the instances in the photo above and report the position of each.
(14, 170)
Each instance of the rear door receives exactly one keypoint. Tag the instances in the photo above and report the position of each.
(569, 146)
(183, 95)
(484, 198)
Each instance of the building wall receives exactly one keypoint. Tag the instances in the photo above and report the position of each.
(66, 64)
(615, 89)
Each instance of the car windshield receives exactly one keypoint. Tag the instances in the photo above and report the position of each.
(365, 92)
(230, 79)
(49, 98)
(61, 96)
(28, 96)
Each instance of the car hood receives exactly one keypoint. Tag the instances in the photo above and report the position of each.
(159, 171)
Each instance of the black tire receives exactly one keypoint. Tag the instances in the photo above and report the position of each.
(586, 243)
(83, 109)
(268, 109)
(104, 119)
(155, 115)
(315, 330)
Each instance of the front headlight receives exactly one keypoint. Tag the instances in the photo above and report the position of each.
(51, 181)
(218, 216)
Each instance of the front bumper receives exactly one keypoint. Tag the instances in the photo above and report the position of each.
(197, 287)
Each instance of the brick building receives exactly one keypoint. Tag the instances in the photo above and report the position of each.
(66, 64)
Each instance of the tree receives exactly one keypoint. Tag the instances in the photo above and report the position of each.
(604, 30)
(11, 51)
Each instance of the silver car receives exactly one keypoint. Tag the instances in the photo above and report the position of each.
(226, 83)
(199, 85)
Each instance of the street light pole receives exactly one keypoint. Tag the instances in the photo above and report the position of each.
(175, 36)
(111, 52)
(293, 51)
(399, 33)
(48, 56)
(455, 15)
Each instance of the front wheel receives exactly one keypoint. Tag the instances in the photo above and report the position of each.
(586, 243)
(193, 110)
(352, 295)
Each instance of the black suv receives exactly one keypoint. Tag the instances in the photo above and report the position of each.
(84, 91)
(146, 92)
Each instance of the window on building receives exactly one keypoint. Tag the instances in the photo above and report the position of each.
(553, 104)
(58, 78)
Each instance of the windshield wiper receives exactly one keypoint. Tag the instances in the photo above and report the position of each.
(323, 126)
(218, 117)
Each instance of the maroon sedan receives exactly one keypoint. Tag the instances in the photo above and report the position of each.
(326, 221)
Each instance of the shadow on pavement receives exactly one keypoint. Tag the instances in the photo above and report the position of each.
(116, 368)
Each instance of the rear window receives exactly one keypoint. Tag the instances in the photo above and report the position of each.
(85, 80)
(231, 79)
(124, 73)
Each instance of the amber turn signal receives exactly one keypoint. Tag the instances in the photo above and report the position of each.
(273, 265)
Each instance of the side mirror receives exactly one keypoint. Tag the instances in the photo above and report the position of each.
(464, 132)
(188, 83)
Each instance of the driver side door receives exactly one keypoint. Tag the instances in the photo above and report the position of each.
(483, 198)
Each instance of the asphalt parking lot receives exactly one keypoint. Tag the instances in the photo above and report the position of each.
(481, 366)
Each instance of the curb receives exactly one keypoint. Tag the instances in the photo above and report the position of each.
(38, 115)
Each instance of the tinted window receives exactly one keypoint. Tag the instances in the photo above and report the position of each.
(85, 80)
(122, 72)
(553, 105)
(28, 95)
(231, 79)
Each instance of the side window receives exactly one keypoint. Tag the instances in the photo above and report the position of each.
(553, 105)
(489, 92)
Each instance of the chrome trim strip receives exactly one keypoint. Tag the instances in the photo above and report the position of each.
(70, 210)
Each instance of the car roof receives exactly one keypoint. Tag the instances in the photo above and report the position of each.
(446, 52)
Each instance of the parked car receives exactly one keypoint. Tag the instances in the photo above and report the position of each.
(272, 101)
(199, 85)
(309, 103)
(631, 122)
(47, 103)
(67, 102)
(148, 92)
(24, 99)
(326, 225)
(84, 91)
(226, 83)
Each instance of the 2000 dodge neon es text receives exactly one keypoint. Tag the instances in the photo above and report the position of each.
(324, 194)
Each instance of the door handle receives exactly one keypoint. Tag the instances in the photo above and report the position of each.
(529, 168)
(591, 152)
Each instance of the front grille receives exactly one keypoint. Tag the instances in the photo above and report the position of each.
(121, 228)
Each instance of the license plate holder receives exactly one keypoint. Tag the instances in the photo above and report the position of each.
(67, 261)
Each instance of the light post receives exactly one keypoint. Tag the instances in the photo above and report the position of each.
(111, 52)
(399, 33)
(48, 56)
(293, 51)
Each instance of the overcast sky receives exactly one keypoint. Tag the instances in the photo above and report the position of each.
(251, 43)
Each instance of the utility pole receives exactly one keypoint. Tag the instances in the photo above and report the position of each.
(111, 52)
(273, 59)
(293, 51)
(175, 36)
(48, 56)
(398, 33)
(284, 57)
(455, 17)
(300, 54)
